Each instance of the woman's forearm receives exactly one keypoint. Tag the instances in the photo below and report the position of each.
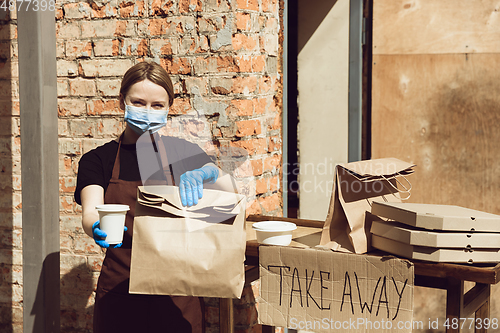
(92, 196)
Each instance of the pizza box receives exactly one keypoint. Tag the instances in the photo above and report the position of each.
(441, 239)
(436, 254)
(438, 217)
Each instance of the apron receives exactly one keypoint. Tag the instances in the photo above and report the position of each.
(116, 310)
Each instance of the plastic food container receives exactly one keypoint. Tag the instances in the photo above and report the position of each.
(274, 232)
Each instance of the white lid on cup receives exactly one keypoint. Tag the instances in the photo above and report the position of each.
(112, 208)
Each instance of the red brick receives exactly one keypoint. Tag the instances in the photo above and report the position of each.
(187, 6)
(258, 63)
(243, 21)
(187, 45)
(161, 47)
(202, 44)
(95, 263)
(256, 167)
(252, 146)
(66, 68)
(248, 127)
(271, 25)
(248, 4)
(132, 8)
(228, 131)
(265, 5)
(259, 105)
(274, 123)
(81, 127)
(261, 186)
(105, 67)
(106, 47)
(244, 85)
(177, 65)
(85, 245)
(78, 49)
(210, 24)
(220, 6)
(193, 127)
(270, 203)
(272, 163)
(253, 208)
(10, 239)
(137, 47)
(195, 83)
(162, 7)
(65, 165)
(66, 204)
(70, 107)
(98, 28)
(157, 27)
(62, 87)
(125, 28)
(265, 84)
(180, 106)
(226, 64)
(59, 13)
(109, 127)
(244, 42)
(70, 147)
(244, 63)
(67, 184)
(274, 183)
(100, 107)
(76, 10)
(82, 87)
(109, 87)
(274, 143)
(104, 11)
(243, 107)
(89, 144)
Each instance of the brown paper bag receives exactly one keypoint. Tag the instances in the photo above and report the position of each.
(356, 186)
(188, 251)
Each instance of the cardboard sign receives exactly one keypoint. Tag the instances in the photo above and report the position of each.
(324, 291)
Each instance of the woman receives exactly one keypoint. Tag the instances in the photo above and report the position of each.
(110, 174)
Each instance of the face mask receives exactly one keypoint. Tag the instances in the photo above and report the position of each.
(142, 120)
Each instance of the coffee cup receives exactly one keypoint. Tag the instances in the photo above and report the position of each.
(112, 221)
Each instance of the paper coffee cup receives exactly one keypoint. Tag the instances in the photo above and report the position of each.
(112, 221)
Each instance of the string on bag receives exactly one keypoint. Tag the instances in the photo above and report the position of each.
(406, 190)
(399, 191)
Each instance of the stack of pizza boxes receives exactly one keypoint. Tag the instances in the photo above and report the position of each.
(439, 233)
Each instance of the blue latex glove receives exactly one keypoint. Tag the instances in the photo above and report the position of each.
(100, 235)
(191, 184)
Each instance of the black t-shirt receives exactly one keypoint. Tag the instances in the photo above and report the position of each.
(96, 166)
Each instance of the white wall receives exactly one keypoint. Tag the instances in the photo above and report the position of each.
(323, 63)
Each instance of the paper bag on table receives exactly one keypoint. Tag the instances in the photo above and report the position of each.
(188, 251)
(356, 186)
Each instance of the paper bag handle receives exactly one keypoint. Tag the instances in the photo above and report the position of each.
(406, 190)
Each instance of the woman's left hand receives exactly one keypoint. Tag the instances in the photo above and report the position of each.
(191, 184)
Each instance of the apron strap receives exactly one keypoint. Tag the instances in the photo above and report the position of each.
(116, 166)
(163, 164)
(159, 147)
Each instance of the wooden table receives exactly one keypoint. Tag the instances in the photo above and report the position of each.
(446, 276)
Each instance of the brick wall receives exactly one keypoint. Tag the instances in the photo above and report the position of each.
(11, 260)
(224, 59)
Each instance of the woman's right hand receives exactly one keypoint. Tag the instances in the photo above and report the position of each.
(100, 236)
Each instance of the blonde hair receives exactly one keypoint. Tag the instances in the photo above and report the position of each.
(151, 71)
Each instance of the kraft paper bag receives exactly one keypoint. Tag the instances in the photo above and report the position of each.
(188, 251)
(356, 186)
